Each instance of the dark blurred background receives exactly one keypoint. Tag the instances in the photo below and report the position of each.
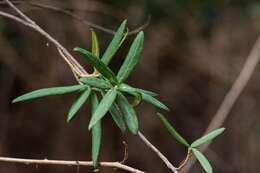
(193, 52)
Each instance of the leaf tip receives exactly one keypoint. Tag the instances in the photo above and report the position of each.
(76, 49)
(68, 120)
(15, 101)
(90, 126)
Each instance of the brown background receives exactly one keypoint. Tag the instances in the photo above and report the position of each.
(193, 52)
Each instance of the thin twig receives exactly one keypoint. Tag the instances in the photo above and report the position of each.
(159, 154)
(74, 65)
(232, 96)
(125, 152)
(81, 19)
(185, 161)
(19, 12)
(69, 163)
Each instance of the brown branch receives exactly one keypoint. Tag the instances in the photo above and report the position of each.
(159, 154)
(69, 163)
(232, 96)
(79, 18)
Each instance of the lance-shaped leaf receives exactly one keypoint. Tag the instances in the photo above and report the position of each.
(49, 92)
(154, 101)
(207, 137)
(95, 82)
(95, 48)
(98, 64)
(172, 130)
(151, 93)
(103, 107)
(203, 160)
(126, 88)
(128, 113)
(132, 58)
(95, 44)
(96, 131)
(145, 96)
(77, 104)
(114, 44)
(117, 117)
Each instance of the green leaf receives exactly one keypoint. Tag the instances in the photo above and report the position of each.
(145, 96)
(98, 64)
(95, 44)
(207, 137)
(96, 131)
(154, 101)
(77, 104)
(117, 117)
(48, 92)
(114, 44)
(203, 160)
(95, 48)
(126, 88)
(103, 107)
(147, 92)
(132, 58)
(95, 82)
(128, 113)
(172, 130)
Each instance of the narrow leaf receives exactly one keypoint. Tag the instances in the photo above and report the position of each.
(95, 44)
(96, 131)
(154, 101)
(95, 48)
(117, 117)
(103, 107)
(145, 96)
(172, 130)
(126, 88)
(207, 137)
(48, 92)
(77, 104)
(114, 44)
(95, 82)
(98, 64)
(132, 58)
(147, 92)
(203, 160)
(128, 113)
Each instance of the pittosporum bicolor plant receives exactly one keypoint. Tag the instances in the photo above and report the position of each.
(107, 92)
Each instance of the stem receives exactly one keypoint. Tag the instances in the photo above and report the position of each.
(74, 65)
(159, 154)
(69, 163)
(185, 161)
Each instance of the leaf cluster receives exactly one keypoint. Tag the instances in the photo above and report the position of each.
(195, 144)
(106, 91)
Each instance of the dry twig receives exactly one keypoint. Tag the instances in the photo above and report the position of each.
(25, 20)
(161, 156)
(69, 163)
(81, 19)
